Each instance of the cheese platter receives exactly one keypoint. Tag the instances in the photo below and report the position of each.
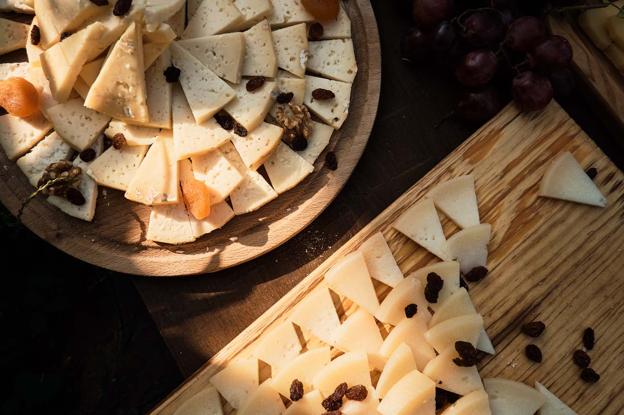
(230, 96)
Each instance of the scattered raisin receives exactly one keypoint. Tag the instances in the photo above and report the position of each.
(444, 397)
(357, 393)
(172, 74)
(331, 161)
(255, 83)
(533, 329)
(463, 283)
(35, 35)
(225, 120)
(592, 172)
(533, 353)
(296, 390)
(589, 338)
(240, 131)
(122, 7)
(299, 143)
(589, 375)
(433, 287)
(476, 274)
(321, 94)
(119, 140)
(65, 35)
(316, 31)
(411, 310)
(285, 97)
(100, 2)
(468, 355)
(581, 359)
(87, 155)
(331, 404)
(74, 196)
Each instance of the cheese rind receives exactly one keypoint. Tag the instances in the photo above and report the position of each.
(258, 145)
(317, 314)
(286, 168)
(350, 277)
(169, 224)
(458, 200)
(213, 17)
(289, 12)
(291, 47)
(116, 168)
(134, 134)
(49, 150)
(18, 135)
(220, 214)
(78, 125)
(380, 262)
(333, 59)
(237, 381)
(253, 11)
(333, 111)
(13, 35)
(260, 57)
(219, 174)
(223, 54)
(249, 109)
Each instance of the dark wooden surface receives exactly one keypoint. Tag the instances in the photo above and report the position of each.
(197, 316)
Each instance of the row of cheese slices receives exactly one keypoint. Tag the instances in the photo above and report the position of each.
(401, 369)
(605, 27)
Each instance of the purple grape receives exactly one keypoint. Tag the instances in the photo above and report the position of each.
(415, 45)
(443, 36)
(428, 13)
(483, 28)
(477, 68)
(554, 52)
(525, 33)
(531, 91)
(563, 82)
(479, 106)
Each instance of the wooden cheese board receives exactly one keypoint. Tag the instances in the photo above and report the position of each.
(550, 260)
(116, 239)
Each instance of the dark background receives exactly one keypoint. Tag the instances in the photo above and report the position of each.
(76, 339)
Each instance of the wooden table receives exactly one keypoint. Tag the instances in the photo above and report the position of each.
(197, 316)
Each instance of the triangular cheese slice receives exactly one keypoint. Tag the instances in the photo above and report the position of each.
(333, 59)
(359, 333)
(317, 315)
(304, 368)
(260, 57)
(565, 179)
(408, 291)
(119, 93)
(223, 54)
(512, 398)
(134, 134)
(163, 33)
(91, 70)
(18, 135)
(339, 28)
(552, 405)
(469, 247)
(366, 407)
(349, 277)
(287, 83)
(258, 145)
(116, 168)
(458, 200)
(351, 367)
(447, 375)
(159, 93)
(33, 51)
(279, 346)
(49, 150)
(463, 328)
(310, 404)
(421, 224)
(413, 394)
(58, 16)
(157, 11)
(38, 78)
(400, 363)
(286, 168)
(291, 47)
(410, 331)
(237, 381)
(207, 401)
(289, 12)
(380, 262)
(253, 11)
(318, 140)
(264, 401)
(170, 224)
(219, 174)
(249, 109)
(114, 28)
(177, 21)
(332, 111)
(251, 194)
(220, 214)
(13, 35)
(205, 92)
(212, 17)
(475, 403)
(448, 271)
(192, 139)
(151, 52)
(78, 125)
(89, 190)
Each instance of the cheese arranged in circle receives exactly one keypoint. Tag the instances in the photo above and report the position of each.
(49, 150)
(447, 375)
(310, 404)
(278, 347)
(349, 277)
(469, 247)
(253, 11)
(258, 145)
(135, 135)
(260, 57)
(339, 28)
(304, 368)
(321, 134)
(317, 315)
(163, 33)
(249, 109)
(291, 47)
(170, 224)
(552, 405)
(400, 363)
(351, 368)
(286, 168)
(508, 397)
(213, 17)
(334, 59)
(220, 214)
(332, 111)
(219, 174)
(237, 381)
(116, 168)
(409, 291)
(458, 200)
(18, 135)
(264, 401)
(380, 261)
(205, 402)
(78, 125)
(414, 393)
(223, 54)
(475, 403)
(289, 12)
(410, 331)
(13, 35)
(465, 328)
(448, 271)
(359, 333)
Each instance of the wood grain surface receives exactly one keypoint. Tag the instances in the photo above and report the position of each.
(550, 260)
(592, 63)
(116, 238)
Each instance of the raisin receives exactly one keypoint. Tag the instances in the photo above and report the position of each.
(122, 7)
(296, 390)
(331, 161)
(240, 131)
(533, 329)
(476, 274)
(592, 172)
(533, 353)
(357, 393)
(225, 120)
(87, 155)
(100, 2)
(299, 143)
(65, 35)
(589, 375)
(433, 287)
(316, 31)
(581, 359)
(255, 83)
(589, 338)
(463, 283)
(172, 74)
(119, 140)
(321, 94)
(74, 196)
(331, 404)
(411, 310)
(285, 97)
(35, 35)
(340, 390)
(468, 355)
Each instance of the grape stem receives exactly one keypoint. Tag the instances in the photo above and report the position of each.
(37, 192)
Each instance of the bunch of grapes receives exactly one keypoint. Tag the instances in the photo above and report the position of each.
(497, 49)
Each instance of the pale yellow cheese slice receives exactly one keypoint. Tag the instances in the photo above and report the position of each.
(279, 346)
(258, 145)
(317, 142)
(253, 11)
(134, 135)
(616, 56)
(18, 135)
(49, 150)
(58, 16)
(205, 402)
(264, 401)
(310, 404)
(291, 47)
(13, 35)
(465, 328)
(17, 69)
(158, 11)
(219, 174)
(159, 93)
(332, 111)
(304, 368)
(447, 375)
(38, 78)
(400, 363)
(349, 277)
(413, 394)
(19, 6)
(205, 92)
(151, 52)
(91, 70)
(287, 83)
(213, 17)
(458, 200)
(81, 88)
(359, 333)
(78, 125)
(89, 190)
(163, 33)
(249, 109)
(552, 405)
(220, 214)
(251, 194)
(411, 332)
(33, 51)
(317, 315)
(177, 22)
(223, 54)
(159, 42)
(340, 28)
(351, 368)
(475, 403)
(333, 59)
(289, 12)
(191, 8)
(116, 168)
(260, 57)
(286, 168)
(421, 224)
(448, 271)
(114, 28)
(366, 407)
(408, 291)
(237, 381)
(380, 262)
(118, 93)
(594, 24)
(508, 397)
(469, 247)
(170, 224)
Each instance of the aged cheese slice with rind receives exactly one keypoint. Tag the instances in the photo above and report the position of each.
(321, 135)
(359, 333)
(220, 214)
(279, 346)
(448, 271)
(447, 375)
(170, 224)
(317, 315)
(78, 125)
(466, 328)
(258, 145)
(552, 405)
(400, 363)
(219, 174)
(289, 12)
(304, 368)
(13, 35)
(333, 111)
(49, 150)
(260, 57)
(249, 109)
(310, 404)
(116, 168)
(351, 367)
(475, 403)
(213, 17)
(380, 262)
(409, 291)
(469, 246)
(349, 277)
(291, 48)
(457, 198)
(253, 11)
(421, 224)
(223, 54)
(237, 381)
(264, 401)
(508, 397)
(18, 135)
(135, 135)
(286, 169)
(413, 394)
(411, 332)
(333, 59)
(205, 402)
(339, 28)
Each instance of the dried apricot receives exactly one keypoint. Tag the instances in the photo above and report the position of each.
(322, 9)
(19, 97)
(196, 194)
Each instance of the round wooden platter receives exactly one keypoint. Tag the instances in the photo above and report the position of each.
(116, 238)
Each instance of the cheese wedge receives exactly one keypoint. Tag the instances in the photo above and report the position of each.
(116, 168)
(191, 8)
(19, 6)
(114, 28)
(10, 70)
(177, 22)
(616, 56)
(351, 368)
(78, 125)
(253, 11)
(448, 271)
(594, 24)
(33, 51)
(13, 35)
(264, 401)
(249, 109)
(366, 407)
(18, 135)
(409, 331)
(339, 28)
(421, 224)
(222, 54)
(260, 57)
(552, 405)
(49, 150)
(58, 16)
(615, 27)
(287, 83)
(289, 12)
(469, 247)
(333, 59)
(257, 146)
(156, 181)
(408, 291)
(213, 17)
(317, 315)
(349, 277)
(191, 139)
(237, 381)
(475, 403)
(414, 393)
(81, 88)
(512, 398)
(157, 11)
(332, 111)
(291, 47)
(220, 214)
(205, 92)
(219, 174)
(304, 368)
(565, 179)
(205, 402)
(447, 375)
(359, 333)
(159, 93)
(286, 168)
(91, 70)
(169, 224)
(38, 78)
(310, 404)
(278, 347)
(134, 135)
(400, 363)
(151, 52)
(458, 200)
(463, 328)
(380, 262)
(321, 134)
(251, 194)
